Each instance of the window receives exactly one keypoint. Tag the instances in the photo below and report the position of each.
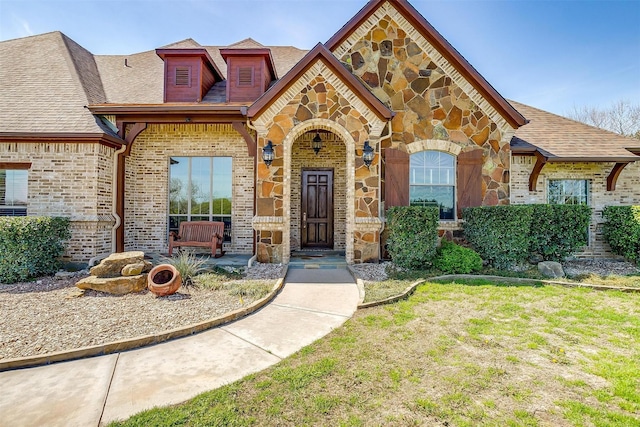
(568, 192)
(13, 192)
(432, 181)
(200, 189)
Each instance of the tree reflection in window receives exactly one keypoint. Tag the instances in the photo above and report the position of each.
(432, 181)
(200, 189)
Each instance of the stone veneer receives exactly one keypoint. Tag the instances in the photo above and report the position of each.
(317, 101)
(73, 180)
(431, 99)
(627, 191)
(147, 175)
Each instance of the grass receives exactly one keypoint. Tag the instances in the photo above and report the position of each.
(631, 281)
(465, 353)
(221, 279)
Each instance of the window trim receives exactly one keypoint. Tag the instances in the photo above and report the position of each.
(454, 185)
(16, 166)
(211, 215)
(587, 189)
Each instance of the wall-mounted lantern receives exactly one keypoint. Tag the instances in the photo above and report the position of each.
(367, 154)
(316, 143)
(267, 153)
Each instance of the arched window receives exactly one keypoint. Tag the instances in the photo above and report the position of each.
(432, 181)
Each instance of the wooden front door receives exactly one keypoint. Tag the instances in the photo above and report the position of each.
(316, 225)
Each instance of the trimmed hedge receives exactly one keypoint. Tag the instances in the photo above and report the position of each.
(558, 231)
(622, 230)
(413, 235)
(508, 235)
(31, 246)
(456, 259)
(500, 234)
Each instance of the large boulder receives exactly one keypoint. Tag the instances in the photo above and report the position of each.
(115, 285)
(551, 269)
(112, 265)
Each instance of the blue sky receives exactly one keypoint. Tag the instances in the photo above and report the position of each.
(549, 54)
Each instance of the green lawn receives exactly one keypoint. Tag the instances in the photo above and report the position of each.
(452, 354)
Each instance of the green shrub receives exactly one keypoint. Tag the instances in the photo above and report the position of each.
(500, 234)
(456, 259)
(188, 265)
(413, 235)
(31, 246)
(558, 231)
(622, 230)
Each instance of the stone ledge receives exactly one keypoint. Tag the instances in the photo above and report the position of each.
(142, 341)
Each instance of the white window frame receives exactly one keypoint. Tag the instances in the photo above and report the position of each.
(453, 184)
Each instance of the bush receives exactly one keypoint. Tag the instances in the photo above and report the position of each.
(456, 259)
(413, 235)
(558, 231)
(622, 230)
(31, 246)
(500, 234)
(188, 265)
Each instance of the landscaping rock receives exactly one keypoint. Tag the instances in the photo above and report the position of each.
(112, 265)
(136, 269)
(115, 285)
(551, 269)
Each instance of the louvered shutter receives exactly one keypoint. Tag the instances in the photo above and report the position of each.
(396, 178)
(469, 180)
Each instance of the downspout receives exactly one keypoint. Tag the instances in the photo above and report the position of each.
(114, 200)
(381, 214)
(255, 181)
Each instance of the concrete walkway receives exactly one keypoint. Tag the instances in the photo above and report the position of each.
(98, 390)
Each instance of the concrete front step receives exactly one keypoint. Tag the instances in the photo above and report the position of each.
(317, 260)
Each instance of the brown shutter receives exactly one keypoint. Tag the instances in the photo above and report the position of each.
(396, 178)
(469, 180)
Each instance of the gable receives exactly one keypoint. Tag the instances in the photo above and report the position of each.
(319, 65)
(394, 25)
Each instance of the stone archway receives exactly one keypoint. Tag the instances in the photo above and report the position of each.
(350, 145)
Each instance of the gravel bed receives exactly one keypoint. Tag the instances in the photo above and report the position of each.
(48, 315)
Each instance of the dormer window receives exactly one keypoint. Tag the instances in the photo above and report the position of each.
(245, 76)
(183, 76)
(189, 73)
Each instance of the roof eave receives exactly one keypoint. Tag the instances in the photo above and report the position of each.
(62, 137)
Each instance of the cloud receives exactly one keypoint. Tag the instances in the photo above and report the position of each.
(23, 29)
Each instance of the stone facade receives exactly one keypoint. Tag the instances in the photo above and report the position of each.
(431, 99)
(73, 180)
(318, 101)
(147, 189)
(627, 191)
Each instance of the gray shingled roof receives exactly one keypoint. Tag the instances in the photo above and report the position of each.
(45, 82)
(562, 138)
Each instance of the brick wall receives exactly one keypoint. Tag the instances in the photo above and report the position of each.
(147, 169)
(72, 180)
(333, 156)
(627, 191)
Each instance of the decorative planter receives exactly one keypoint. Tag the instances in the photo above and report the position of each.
(164, 279)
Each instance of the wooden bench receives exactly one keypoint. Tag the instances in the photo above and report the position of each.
(201, 234)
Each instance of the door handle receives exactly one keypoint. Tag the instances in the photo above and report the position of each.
(304, 220)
